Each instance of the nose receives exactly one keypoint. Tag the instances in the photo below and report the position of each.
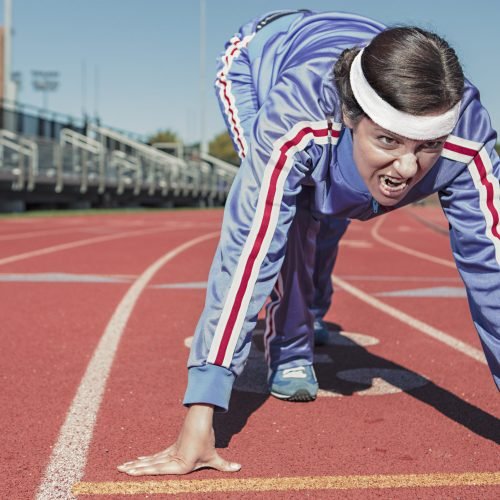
(406, 165)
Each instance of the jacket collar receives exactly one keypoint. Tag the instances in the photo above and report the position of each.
(346, 163)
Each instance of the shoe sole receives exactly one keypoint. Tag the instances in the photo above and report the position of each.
(301, 396)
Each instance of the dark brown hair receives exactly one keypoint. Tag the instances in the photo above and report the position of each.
(414, 70)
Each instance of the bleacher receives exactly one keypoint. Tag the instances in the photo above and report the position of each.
(55, 161)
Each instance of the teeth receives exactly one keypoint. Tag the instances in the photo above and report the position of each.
(391, 182)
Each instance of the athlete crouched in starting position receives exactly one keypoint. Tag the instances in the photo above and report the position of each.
(335, 117)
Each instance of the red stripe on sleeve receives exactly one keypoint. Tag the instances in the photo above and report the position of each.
(459, 149)
(490, 196)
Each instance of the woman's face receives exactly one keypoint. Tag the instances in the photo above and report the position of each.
(390, 164)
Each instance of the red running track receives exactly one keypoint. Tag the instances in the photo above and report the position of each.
(397, 406)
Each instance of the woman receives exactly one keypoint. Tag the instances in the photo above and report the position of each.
(334, 117)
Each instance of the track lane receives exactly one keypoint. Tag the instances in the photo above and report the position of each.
(405, 249)
(413, 322)
(351, 434)
(380, 437)
(458, 322)
(151, 365)
(33, 234)
(48, 335)
(450, 315)
(69, 456)
(416, 234)
(17, 251)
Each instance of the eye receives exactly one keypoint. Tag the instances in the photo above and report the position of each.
(388, 141)
(432, 145)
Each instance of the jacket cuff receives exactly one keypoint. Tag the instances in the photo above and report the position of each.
(209, 384)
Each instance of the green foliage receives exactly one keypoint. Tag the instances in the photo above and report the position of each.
(222, 147)
(497, 147)
(164, 136)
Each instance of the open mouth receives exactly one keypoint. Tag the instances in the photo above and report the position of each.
(392, 186)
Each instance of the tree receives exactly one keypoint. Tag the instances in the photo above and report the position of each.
(222, 147)
(164, 136)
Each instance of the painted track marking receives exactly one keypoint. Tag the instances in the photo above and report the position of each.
(382, 381)
(409, 251)
(68, 459)
(34, 234)
(60, 278)
(375, 277)
(415, 323)
(431, 225)
(449, 292)
(203, 486)
(76, 244)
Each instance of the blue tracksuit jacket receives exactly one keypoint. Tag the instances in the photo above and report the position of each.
(276, 89)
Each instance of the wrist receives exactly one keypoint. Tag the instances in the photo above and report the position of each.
(200, 416)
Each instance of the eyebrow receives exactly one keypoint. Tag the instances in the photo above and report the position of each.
(382, 130)
(401, 138)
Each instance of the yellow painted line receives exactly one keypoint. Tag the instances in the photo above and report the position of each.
(175, 487)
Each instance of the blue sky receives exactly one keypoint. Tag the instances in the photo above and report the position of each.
(147, 52)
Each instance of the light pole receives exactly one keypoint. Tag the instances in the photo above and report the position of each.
(96, 93)
(203, 140)
(45, 82)
(8, 85)
(17, 79)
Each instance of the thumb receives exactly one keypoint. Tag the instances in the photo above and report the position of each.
(218, 463)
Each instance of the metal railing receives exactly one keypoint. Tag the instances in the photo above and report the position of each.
(223, 175)
(128, 172)
(161, 172)
(19, 158)
(82, 158)
(109, 163)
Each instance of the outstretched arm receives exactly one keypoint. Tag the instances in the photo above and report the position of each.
(472, 206)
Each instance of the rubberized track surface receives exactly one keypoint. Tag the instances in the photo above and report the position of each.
(97, 312)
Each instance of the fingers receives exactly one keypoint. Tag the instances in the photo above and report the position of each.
(163, 453)
(145, 461)
(168, 466)
(135, 464)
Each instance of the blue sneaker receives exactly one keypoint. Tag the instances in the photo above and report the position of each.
(294, 384)
(321, 333)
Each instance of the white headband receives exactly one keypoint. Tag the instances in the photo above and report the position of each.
(404, 124)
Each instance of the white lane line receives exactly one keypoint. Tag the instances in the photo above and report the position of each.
(409, 251)
(435, 226)
(59, 278)
(67, 462)
(355, 243)
(193, 285)
(432, 292)
(375, 277)
(415, 323)
(76, 244)
(105, 228)
(33, 234)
